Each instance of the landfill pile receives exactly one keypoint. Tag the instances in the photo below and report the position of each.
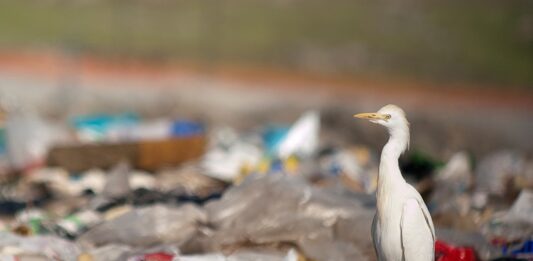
(116, 187)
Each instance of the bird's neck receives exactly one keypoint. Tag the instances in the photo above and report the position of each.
(389, 169)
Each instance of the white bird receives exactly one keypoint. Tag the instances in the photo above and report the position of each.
(402, 228)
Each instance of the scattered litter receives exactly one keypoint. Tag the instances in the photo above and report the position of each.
(277, 208)
(302, 138)
(497, 170)
(155, 224)
(445, 252)
(454, 182)
(126, 188)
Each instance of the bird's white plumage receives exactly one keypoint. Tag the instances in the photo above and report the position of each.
(415, 233)
(402, 229)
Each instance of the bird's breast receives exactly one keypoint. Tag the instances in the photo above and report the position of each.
(388, 232)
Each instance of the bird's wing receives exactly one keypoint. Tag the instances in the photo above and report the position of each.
(416, 234)
(427, 216)
(375, 234)
(424, 209)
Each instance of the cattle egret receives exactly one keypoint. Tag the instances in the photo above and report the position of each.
(402, 229)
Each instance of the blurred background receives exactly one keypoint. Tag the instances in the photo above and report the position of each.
(89, 83)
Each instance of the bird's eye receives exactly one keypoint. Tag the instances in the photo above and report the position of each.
(387, 116)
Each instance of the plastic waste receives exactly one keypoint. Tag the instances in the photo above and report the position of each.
(18, 194)
(523, 250)
(302, 138)
(24, 257)
(162, 256)
(29, 138)
(142, 180)
(495, 171)
(484, 250)
(33, 218)
(220, 257)
(272, 137)
(291, 255)
(454, 180)
(184, 128)
(156, 224)
(285, 209)
(515, 224)
(62, 184)
(229, 155)
(77, 223)
(53, 248)
(118, 184)
(103, 127)
(188, 180)
(156, 130)
(110, 252)
(445, 252)
(355, 166)
(522, 209)
(149, 130)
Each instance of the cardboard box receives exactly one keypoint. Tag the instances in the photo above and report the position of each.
(147, 155)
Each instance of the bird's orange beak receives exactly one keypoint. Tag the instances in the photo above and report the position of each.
(371, 116)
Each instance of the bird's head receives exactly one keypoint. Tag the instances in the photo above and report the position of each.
(392, 117)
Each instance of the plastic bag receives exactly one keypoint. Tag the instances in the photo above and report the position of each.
(52, 247)
(29, 138)
(283, 209)
(483, 248)
(228, 155)
(453, 182)
(147, 226)
(117, 184)
(496, 170)
(302, 138)
(61, 184)
(356, 167)
(111, 252)
(514, 225)
(291, 255)
(445, 252)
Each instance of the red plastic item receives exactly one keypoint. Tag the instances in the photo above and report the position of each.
(445, 252)
(158, 257)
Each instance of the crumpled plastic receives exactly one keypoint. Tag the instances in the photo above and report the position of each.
(445, 252)
(111, 252)
(284, 209)
(117, 184)
(59, 182)
(30, 137)
(302, 138)
(516, 223)
(241, 256)
(52, 247)
(483, 248)
(356, 166)
(453, 182)
(496, 170)
(147, 226)
(229, 155)
(119, 252)
(189, 180)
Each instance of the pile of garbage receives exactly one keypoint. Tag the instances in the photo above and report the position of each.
(273, 194)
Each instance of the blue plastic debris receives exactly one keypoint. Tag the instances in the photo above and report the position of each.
(97, 126)
(524, 250)
(273, 136)
(185, 128)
